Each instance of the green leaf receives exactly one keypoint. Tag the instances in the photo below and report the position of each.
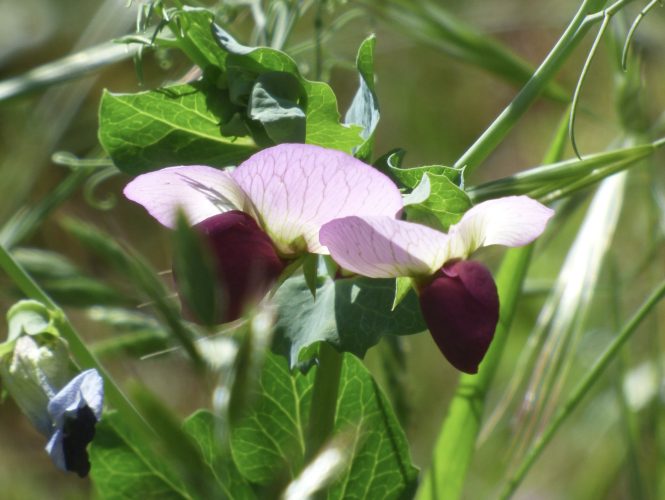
(206, 430)
(381, 465)
(195, 35)
(444, 206)
(274, 103)
(269, 442)
(364, 109)
(129, 467)
(178, 125)
(351, 314)
(323, 125)
(411, 177)
(268, 445)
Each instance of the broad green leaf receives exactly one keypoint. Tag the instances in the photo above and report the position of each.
(351, 314)
(206, 430)
(184, 453)
(411, 177)
(178, 125)
(323, 125)
(268, 445)
(194, 35)
(274, 103)
(444, 206)
(364, 109)
(126, 466)
(381, 464)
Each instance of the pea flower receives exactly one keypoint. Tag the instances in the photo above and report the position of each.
(458, 297)
(267, 211)
(38, 376)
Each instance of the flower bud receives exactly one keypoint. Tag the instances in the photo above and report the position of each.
(461, 309)
(33, 373)
(245, 260)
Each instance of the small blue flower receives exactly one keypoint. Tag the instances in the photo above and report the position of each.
(74, 412)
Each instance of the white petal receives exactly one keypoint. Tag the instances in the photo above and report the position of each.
(384, 247)
(512, 221)
(296, 188)
(198, 190)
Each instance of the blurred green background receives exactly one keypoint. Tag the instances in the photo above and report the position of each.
(433, 105)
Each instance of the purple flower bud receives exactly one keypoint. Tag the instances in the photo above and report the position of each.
(461, 309)
(246, 261)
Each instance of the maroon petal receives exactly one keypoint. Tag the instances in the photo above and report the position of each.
(461, 309)
(245, 259)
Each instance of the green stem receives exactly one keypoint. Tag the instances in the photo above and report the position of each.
(582, 389)
(324, 398)
(318, 37)
(496, 132)
(456, 442)
(79, 350)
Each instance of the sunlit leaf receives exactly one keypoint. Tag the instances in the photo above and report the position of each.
(178, 125)
(323, 125)
(130, 467)
(269, 447)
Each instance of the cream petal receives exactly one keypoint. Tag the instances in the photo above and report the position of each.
(512, 221)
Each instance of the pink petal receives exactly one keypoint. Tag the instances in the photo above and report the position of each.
(512, 221)
(384, 247)
(296, 188)
(198, 190)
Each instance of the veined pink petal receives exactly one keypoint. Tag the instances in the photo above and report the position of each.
(384, 247)
(296, 188)
(512, 221)
(200, 191)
